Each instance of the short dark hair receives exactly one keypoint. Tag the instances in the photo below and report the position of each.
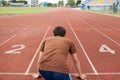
(59, 31)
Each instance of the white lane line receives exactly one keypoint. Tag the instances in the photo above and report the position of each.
(90, 62)
(101, 33)
(102, 73)
(101, 19)
(8, 40)
(107, 25)
(37, 51)
(89, 74)
(11, 37)
(12, 73)
(111, 73)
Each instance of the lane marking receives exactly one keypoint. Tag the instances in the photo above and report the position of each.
(89, 74)
(99, 32)
(103, 34)
(110, 26)
(8, 39)
(90, 62)
(31, 62)
(104, 23)
(16, 49)
(102, 73)
(104, 48)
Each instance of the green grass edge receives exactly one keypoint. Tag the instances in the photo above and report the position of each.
(23, 10)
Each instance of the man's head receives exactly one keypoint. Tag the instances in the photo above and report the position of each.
(59, 31)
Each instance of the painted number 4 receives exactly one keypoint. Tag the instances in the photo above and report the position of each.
(105, 48)
(16, 49)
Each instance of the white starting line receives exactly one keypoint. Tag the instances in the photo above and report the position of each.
(24, 74)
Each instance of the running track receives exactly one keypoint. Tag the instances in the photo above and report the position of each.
(97, 39)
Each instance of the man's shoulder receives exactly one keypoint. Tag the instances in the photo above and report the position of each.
(67, 39)
(50, 37)
(59, 38)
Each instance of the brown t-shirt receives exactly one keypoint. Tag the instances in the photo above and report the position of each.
(55, 54)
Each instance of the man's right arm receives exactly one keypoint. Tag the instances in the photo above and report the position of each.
(37, 75)
(77, 65)
(39, 59)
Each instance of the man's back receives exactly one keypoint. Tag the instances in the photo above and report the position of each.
(55, 54)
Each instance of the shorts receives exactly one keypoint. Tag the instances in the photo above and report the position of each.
(50, 75)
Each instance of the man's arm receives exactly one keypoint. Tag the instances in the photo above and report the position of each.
(39, 58)
(40, 54)
(37, 75)
(77, 65)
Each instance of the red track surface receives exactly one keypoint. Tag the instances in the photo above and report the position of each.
(89, 31)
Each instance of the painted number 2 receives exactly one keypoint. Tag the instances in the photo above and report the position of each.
(17, 49)
(105, 48)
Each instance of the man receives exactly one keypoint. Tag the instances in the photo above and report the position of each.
(53, 54)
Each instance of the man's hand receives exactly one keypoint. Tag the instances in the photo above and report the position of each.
(81, 76)
(36, 76)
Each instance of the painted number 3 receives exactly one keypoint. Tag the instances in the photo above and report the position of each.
(105, 48)
(16, 49)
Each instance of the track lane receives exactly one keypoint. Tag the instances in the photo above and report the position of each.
(92, 41)
(101, 17)
(8, 33)
(37, 51)
(35, 27)
(103, 61)
(107, 29)
(17, 62)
